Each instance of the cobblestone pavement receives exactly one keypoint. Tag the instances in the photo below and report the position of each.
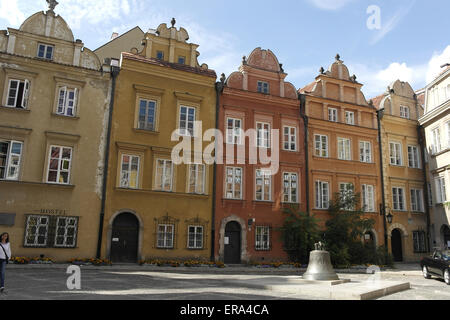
(144, 283)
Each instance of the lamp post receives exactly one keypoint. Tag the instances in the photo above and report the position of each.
(389, 218)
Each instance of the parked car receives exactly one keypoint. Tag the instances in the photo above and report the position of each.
(437, 265)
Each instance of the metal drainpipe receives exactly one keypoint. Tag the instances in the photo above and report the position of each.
(114, 73)
(383, 201)
(425, 183)
(301, 97)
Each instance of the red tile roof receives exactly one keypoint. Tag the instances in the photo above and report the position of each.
(308, 88)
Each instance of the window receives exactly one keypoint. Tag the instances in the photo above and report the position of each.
(398, 197)
(66, 232)
(368, 198)
(430, 196)
(59, 165)
(416, 200)
(395, 153)
(165, 236)
(420, 242)
(45, 51)
(263, 87)
(441, 195)
(187, 119)
(262, 137)
(50, 231)
(195, 237)
(350, 117)
(332, 115)
(448, 129)
(344, 149)
(234, 131)
(233, 189)
(322, 195)
(129, 174)
(10, 157)
(181, 60)
(321, 145)
(160, 55)
(290, 185)
(436, 136)
(346, 191)
(365, 151)
(262, 238)
(263, 185)
(413, 157)
(164, 173)
(197, 178)
(18, 93)
(147, 112)
(290, 138)
(404, 112)
(67, 101)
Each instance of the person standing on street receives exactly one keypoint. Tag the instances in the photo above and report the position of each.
(5, 255)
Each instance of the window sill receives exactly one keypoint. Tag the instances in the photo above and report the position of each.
(65, 117)
(66, 186)
(145, 131)
(14, 109)
(263, 202)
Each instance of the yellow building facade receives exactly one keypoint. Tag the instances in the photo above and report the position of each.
(54, 97)
(404, 181)
(155, 207)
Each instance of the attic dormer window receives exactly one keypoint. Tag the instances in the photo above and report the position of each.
(263, 87)
(160, 55)
(404, 112)
(45, 51)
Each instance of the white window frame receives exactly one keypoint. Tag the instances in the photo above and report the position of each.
(441, 195)
(333, 114)
(265, 177)
(61, 162)
(263, 87)
(67, 106)
(262, 238)
(125, 175)
(350, 117)
(46, 47)
(165, 179)
(147, 125)
(365, 151)
(404, 112)
(322, 196)
(291, 136)
(231, 182)
(13, 93)
(262, 134)
(447, 124)
(39, 224)
(436, 138)
(321, 145)
(65, 230)
(13, 160)
(195, 238)
(368, 197)
(290, 187)
(344, 149)
(413, 157)
(197, 178)
(398, 199)
(234, 134)
(185, 130)
(395, 153)
(416, 200)
(165, 237)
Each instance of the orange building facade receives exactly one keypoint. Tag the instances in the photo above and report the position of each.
(343, 148)
(249, 197)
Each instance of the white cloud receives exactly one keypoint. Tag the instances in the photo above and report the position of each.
(330, 4)
(10, 11)
(435, 63)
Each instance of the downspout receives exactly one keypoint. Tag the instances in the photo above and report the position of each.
(114, 73)
(425, 184)
(219, 90)
(383, 200)
(302, 99)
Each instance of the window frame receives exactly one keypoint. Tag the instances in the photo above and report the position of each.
(441, 190)
(195, 239)
(414, 159)
(185, 131)
(346, 152)
(168, 243)
(266, 141)
(265, 175)
(196, 178)
(262, 87)
(289, 181)
(46, 46)
(396, 153)
(129, 171)
(364, 156)
(9, 161)
(405, 112)
(401, 206)
(417, 200)
(233, 130)
(147, 101)
(347, 118)
(262, 238)
(324, 202)
(163, 176)
(64, 244)
(60, 159)
(320, 148)
(233, 183)
(366, 190)
(333, 114)
(292, 138)
(25, 93)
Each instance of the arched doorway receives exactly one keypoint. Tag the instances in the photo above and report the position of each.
(232, 242)
(124, 238)
(396, 244)
(446, 236)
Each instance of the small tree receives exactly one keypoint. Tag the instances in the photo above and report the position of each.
(345, 228)
(299, 233)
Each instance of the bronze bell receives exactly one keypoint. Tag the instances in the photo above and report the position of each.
(319, 267)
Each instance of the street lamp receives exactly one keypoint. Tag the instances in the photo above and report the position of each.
(389, 218)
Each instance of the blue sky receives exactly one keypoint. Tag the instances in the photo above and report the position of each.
(411, 44)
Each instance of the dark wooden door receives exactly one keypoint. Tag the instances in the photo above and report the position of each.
(446, 232)
(396, 242)
(124, 241)
(232, 243)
